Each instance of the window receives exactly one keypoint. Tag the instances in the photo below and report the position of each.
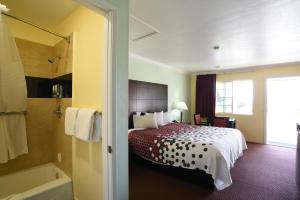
(235, 97)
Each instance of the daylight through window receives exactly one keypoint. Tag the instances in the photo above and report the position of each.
(235, 97)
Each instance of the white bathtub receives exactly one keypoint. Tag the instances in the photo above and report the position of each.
(45, 182)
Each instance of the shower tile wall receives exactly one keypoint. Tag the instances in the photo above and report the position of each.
(35, 57)
(45, 131)
(62, 143)
(65, 52)
(39, 134)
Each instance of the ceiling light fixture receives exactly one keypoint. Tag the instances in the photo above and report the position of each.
(216, 47)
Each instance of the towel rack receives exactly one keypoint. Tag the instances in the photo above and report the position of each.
(13, 113)
(98, 112)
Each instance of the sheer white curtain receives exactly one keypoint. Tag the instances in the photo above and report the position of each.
(13, 95)
(283, 110)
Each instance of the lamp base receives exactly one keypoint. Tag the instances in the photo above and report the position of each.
(181, 116)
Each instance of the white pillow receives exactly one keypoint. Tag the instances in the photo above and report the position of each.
(145, 121)
(167, 118)
(159, 117)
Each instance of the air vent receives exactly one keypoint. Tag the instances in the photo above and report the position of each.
(140, 30)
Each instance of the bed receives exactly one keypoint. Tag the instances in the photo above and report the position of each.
(210, 149)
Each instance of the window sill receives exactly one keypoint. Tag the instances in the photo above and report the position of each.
(232, 114)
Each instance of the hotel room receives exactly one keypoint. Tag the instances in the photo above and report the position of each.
(139, 99)
(213, 99)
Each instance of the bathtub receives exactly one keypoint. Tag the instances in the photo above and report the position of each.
(44, 182)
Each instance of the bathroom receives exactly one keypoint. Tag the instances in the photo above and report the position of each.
(64, 66)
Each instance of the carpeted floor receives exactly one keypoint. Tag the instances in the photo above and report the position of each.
(264, 172)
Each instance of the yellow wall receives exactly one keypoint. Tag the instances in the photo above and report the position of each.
(252, 126)
(88, 65)
(27, 32)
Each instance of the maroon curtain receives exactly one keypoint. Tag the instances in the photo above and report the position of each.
(206, 95)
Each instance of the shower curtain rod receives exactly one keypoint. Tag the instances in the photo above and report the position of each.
(36, 26)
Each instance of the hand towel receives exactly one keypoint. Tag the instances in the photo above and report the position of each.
(70, 119)
(88, 125)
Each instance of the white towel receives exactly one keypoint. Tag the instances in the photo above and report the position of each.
(88, 125)
(13, 96)
(70, 119)
(13, 92)
(13, 140)
(97, 127)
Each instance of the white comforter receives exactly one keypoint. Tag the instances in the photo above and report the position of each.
(211, 149)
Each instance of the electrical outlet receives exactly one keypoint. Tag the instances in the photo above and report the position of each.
(59, 158)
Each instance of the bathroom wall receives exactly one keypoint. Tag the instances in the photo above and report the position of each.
(40, 111)
(39, 135)
(63, 50)
(88, 66)
(27, 32)
(35, 57)
(62, 143)
(89, 60)
(45, 131)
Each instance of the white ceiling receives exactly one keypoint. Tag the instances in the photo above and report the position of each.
(45, 13)
(249, 33)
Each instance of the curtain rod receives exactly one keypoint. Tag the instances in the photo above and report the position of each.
(36, 26)
(13, 113)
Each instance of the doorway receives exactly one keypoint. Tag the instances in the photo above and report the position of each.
(283, 110)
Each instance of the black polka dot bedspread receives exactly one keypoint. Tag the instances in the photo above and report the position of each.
(211, 149)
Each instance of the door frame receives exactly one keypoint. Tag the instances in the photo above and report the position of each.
(108, 124)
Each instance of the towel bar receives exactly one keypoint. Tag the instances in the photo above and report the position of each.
(13, 113)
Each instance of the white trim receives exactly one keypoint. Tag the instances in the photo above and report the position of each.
(247, 69)
(148, 60)
(111, 63)
(98, 4)
(107, 121)
(143, 22)
(154, 30)
(265, 111)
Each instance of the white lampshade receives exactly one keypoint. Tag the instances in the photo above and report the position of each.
(181, 106)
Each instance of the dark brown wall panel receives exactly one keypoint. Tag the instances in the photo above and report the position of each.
(146, 97)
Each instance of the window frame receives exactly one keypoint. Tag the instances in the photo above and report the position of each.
(232, 98)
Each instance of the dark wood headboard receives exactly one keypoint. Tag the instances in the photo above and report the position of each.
(146, 97)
